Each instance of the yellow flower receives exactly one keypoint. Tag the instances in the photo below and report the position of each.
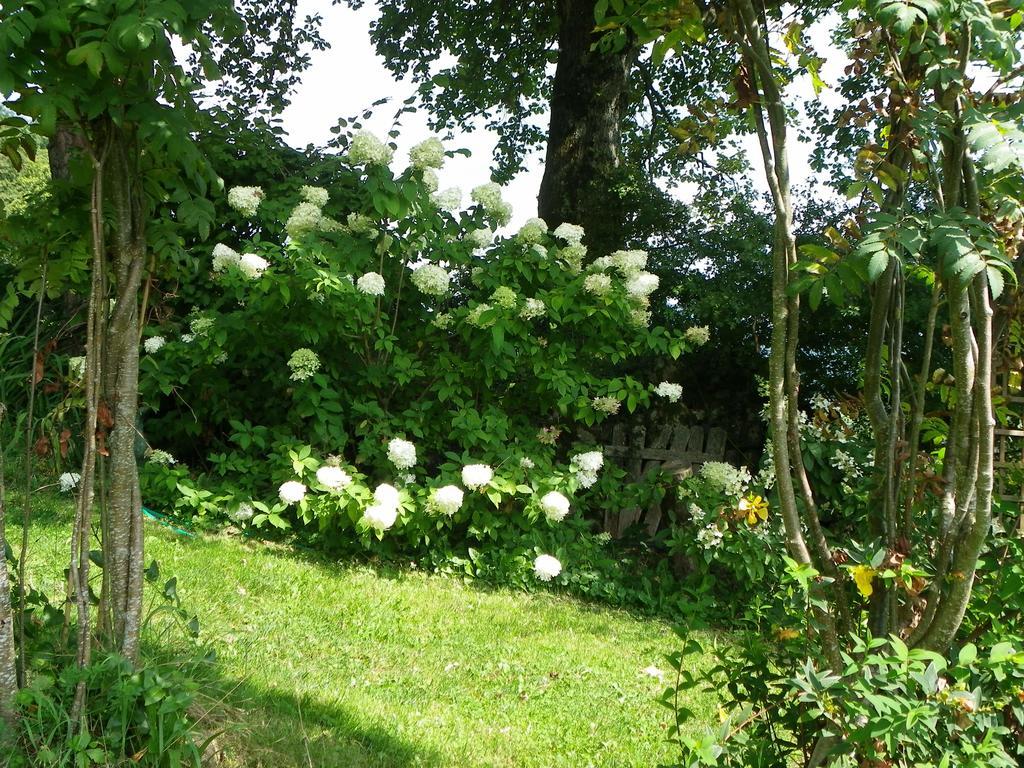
(753, 507)
(864, 575)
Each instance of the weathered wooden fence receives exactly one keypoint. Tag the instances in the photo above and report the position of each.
(673, 448)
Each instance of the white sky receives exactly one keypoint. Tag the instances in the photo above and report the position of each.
(349, 76)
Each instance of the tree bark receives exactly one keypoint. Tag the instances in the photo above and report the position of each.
(8, 672)
(121, 604)
(583, 159)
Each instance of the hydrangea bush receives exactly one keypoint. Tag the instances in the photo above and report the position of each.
(376, 336)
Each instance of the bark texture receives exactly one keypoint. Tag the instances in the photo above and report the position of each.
(583, 159)
(8, 672)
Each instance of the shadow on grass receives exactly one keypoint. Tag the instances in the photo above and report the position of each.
(255, 727)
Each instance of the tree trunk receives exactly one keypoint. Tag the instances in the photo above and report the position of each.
(583, 159)
(8, 672)
(121, 606)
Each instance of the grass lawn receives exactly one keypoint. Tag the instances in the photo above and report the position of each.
(334, 665)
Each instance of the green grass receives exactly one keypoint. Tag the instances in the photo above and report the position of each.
(324, 664)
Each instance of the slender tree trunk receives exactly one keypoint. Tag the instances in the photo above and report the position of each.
(583, 158)
(121, 605)
(8, 671)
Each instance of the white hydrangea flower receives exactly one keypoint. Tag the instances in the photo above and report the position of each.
(360, 224)
(642, 284)
(252, 266)
(386, 495)
(671, 392)
(609, 405)
(443, 321)
(601, 263)
(710, 537)
(732, 481)
(243, 513)
(402, 453)
(371, 283)
(427, 154)
(546, 567)
(334, 478)
(432, 280)
(161, 457)
(474, 316)
(640, 317)
(292, 492)
(585, 467)
(200, 325)
(224, 257)
(698, 335)
(533, 231)
(448, 200)
(598, 284)
(480, 238)
(532, 308)
(187, 338)
(431, 180)
(488, 197)
(245, 200)
(629, 263)
(367, 149)
(526, 463)
(303, 363)
(380, 516)
(318, 196)
(69, 481)
(475, 476)
(573, 256)
(447, 500)
(505, 297)
(153, 343)
(570, 233)
(555, 506)
(305, 218)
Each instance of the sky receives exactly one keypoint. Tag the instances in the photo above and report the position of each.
(350, 76)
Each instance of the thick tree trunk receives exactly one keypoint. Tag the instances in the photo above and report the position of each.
(583, 158)
(8, 672)
(121, 608)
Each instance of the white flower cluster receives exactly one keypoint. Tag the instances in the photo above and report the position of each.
(642, 285)
(242, 513)
(710, 536)
(698, 335)
(383, 513)
(161, 457)
(305, 218)
(224, 257)
(252, 266)
(505, 297)
(446, 500)
(200, 325)
(570, 233)
(443, 321)
(555, 506)
(629, 263)
(532, 308)
(598, 284)
(476, 476)
(533, 231)
(367, 149)
(526, 463)
(69, 481)
(480, 238)
(488, 197)
(586, 466)
(360, 223)
(291, 492)
(546, 567)
(671, 392)
(609, 405)
(333, 478)
(430, 180)
(153, 343)
(371, 283)
(730, 480)
(432, 280)
(318, 196)
(303, 363)
(245, 200)
(573, 256)
(402, 453)
(427, 154)
(476, 313)
(448, 199)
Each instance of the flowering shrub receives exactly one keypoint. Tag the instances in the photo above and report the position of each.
(381, 338)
